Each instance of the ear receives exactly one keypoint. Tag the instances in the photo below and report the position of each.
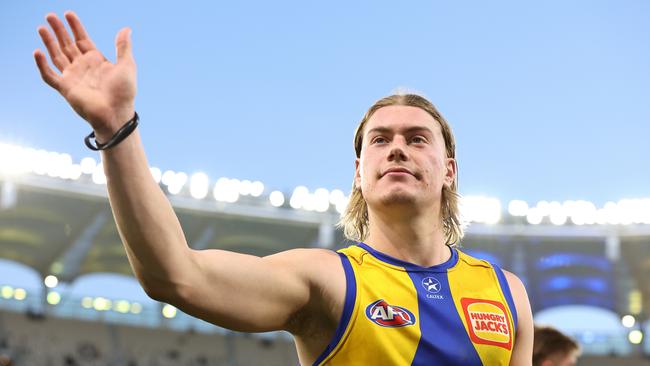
(452, 170)
(357, 173)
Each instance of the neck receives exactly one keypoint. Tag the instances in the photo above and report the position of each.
(414, 237)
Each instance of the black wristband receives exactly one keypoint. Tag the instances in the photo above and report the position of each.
(119, 136)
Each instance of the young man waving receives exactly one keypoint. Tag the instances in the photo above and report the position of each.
(404, 295)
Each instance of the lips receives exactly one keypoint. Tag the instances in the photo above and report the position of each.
(398, 170)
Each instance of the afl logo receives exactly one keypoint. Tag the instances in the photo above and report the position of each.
(381, 313)
(431, 284)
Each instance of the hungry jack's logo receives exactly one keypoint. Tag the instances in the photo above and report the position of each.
(487, 322)
(392, 316)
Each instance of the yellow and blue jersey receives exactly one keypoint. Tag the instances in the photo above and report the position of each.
(460, 312)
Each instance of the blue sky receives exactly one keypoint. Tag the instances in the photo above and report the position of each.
(548, 100)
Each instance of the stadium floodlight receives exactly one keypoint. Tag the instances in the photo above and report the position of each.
(276, 198)
(53, 298)
(635, 336)
(245, 187)
(136, 308)
(601, 216)
(626, 211)
(635, 301)
(98, 174)
(102, 304)
(321, 200)
(87, 302)
(168, 311)
(299, 197)
(63, 164)
(336, 195)
(156, 173)
(88, 165)
(52, 169)
(39, 164)
(480, 209)
(518, 208)
(534, 216)
(257, 189)
(177, 183)
(51, 281)
(74, 172)
(645, 209)
(14, 160)
(199, 185)
(226, 190)
(556, 213)
(309, 202)
(7, 292)
(628, 321)
(582, 212)
(543, 208)
(168, 177)
(611, 213)
(342, 204)
(20, 294)
(122, 306)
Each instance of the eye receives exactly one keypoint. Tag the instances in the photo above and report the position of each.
(378, 140)
(419, 139)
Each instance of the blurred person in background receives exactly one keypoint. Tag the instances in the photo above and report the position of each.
(553, 348)
(408, 297)
(5, 360)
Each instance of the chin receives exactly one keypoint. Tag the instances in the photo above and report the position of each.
(398, 198)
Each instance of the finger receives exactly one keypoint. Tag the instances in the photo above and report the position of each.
(123, 45)
(84, 43)
(48, 75)
(66, 45)
(58, 58)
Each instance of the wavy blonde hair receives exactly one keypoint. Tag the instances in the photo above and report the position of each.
(354, 220)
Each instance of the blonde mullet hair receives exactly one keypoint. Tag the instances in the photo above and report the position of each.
(354, 220)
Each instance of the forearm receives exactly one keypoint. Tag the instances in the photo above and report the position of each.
(146, 222)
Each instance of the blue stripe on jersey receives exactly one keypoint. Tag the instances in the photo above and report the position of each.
(439, 316)
(506, 291)
(346, 314)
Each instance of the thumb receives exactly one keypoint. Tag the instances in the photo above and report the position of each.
(123, 45)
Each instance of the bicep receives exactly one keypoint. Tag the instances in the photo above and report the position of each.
(522, 353)
(244, 292)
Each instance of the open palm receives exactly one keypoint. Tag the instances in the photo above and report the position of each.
(100, 91)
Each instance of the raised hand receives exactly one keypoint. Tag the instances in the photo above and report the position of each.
(100, 91)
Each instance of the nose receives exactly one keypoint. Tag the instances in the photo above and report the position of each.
(397, 151)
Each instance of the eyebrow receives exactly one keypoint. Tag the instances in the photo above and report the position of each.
(407, 130)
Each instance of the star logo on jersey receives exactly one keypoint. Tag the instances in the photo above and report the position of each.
(391, 316)
(432, 285)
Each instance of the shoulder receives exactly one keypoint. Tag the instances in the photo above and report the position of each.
(323, 270)
(519, 296)
(524, 339)
(516, 285)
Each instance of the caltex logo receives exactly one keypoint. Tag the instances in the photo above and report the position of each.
(381, 313)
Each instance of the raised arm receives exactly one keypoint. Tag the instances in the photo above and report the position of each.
(225, 288)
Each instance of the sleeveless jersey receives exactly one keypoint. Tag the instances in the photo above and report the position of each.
(460, 312)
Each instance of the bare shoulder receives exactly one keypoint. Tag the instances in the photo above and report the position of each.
(516, 285)
(323, 271)
(310, 262)
(523, 348)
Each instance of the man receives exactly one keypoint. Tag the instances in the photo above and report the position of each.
(319, 296)
(553, 348)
